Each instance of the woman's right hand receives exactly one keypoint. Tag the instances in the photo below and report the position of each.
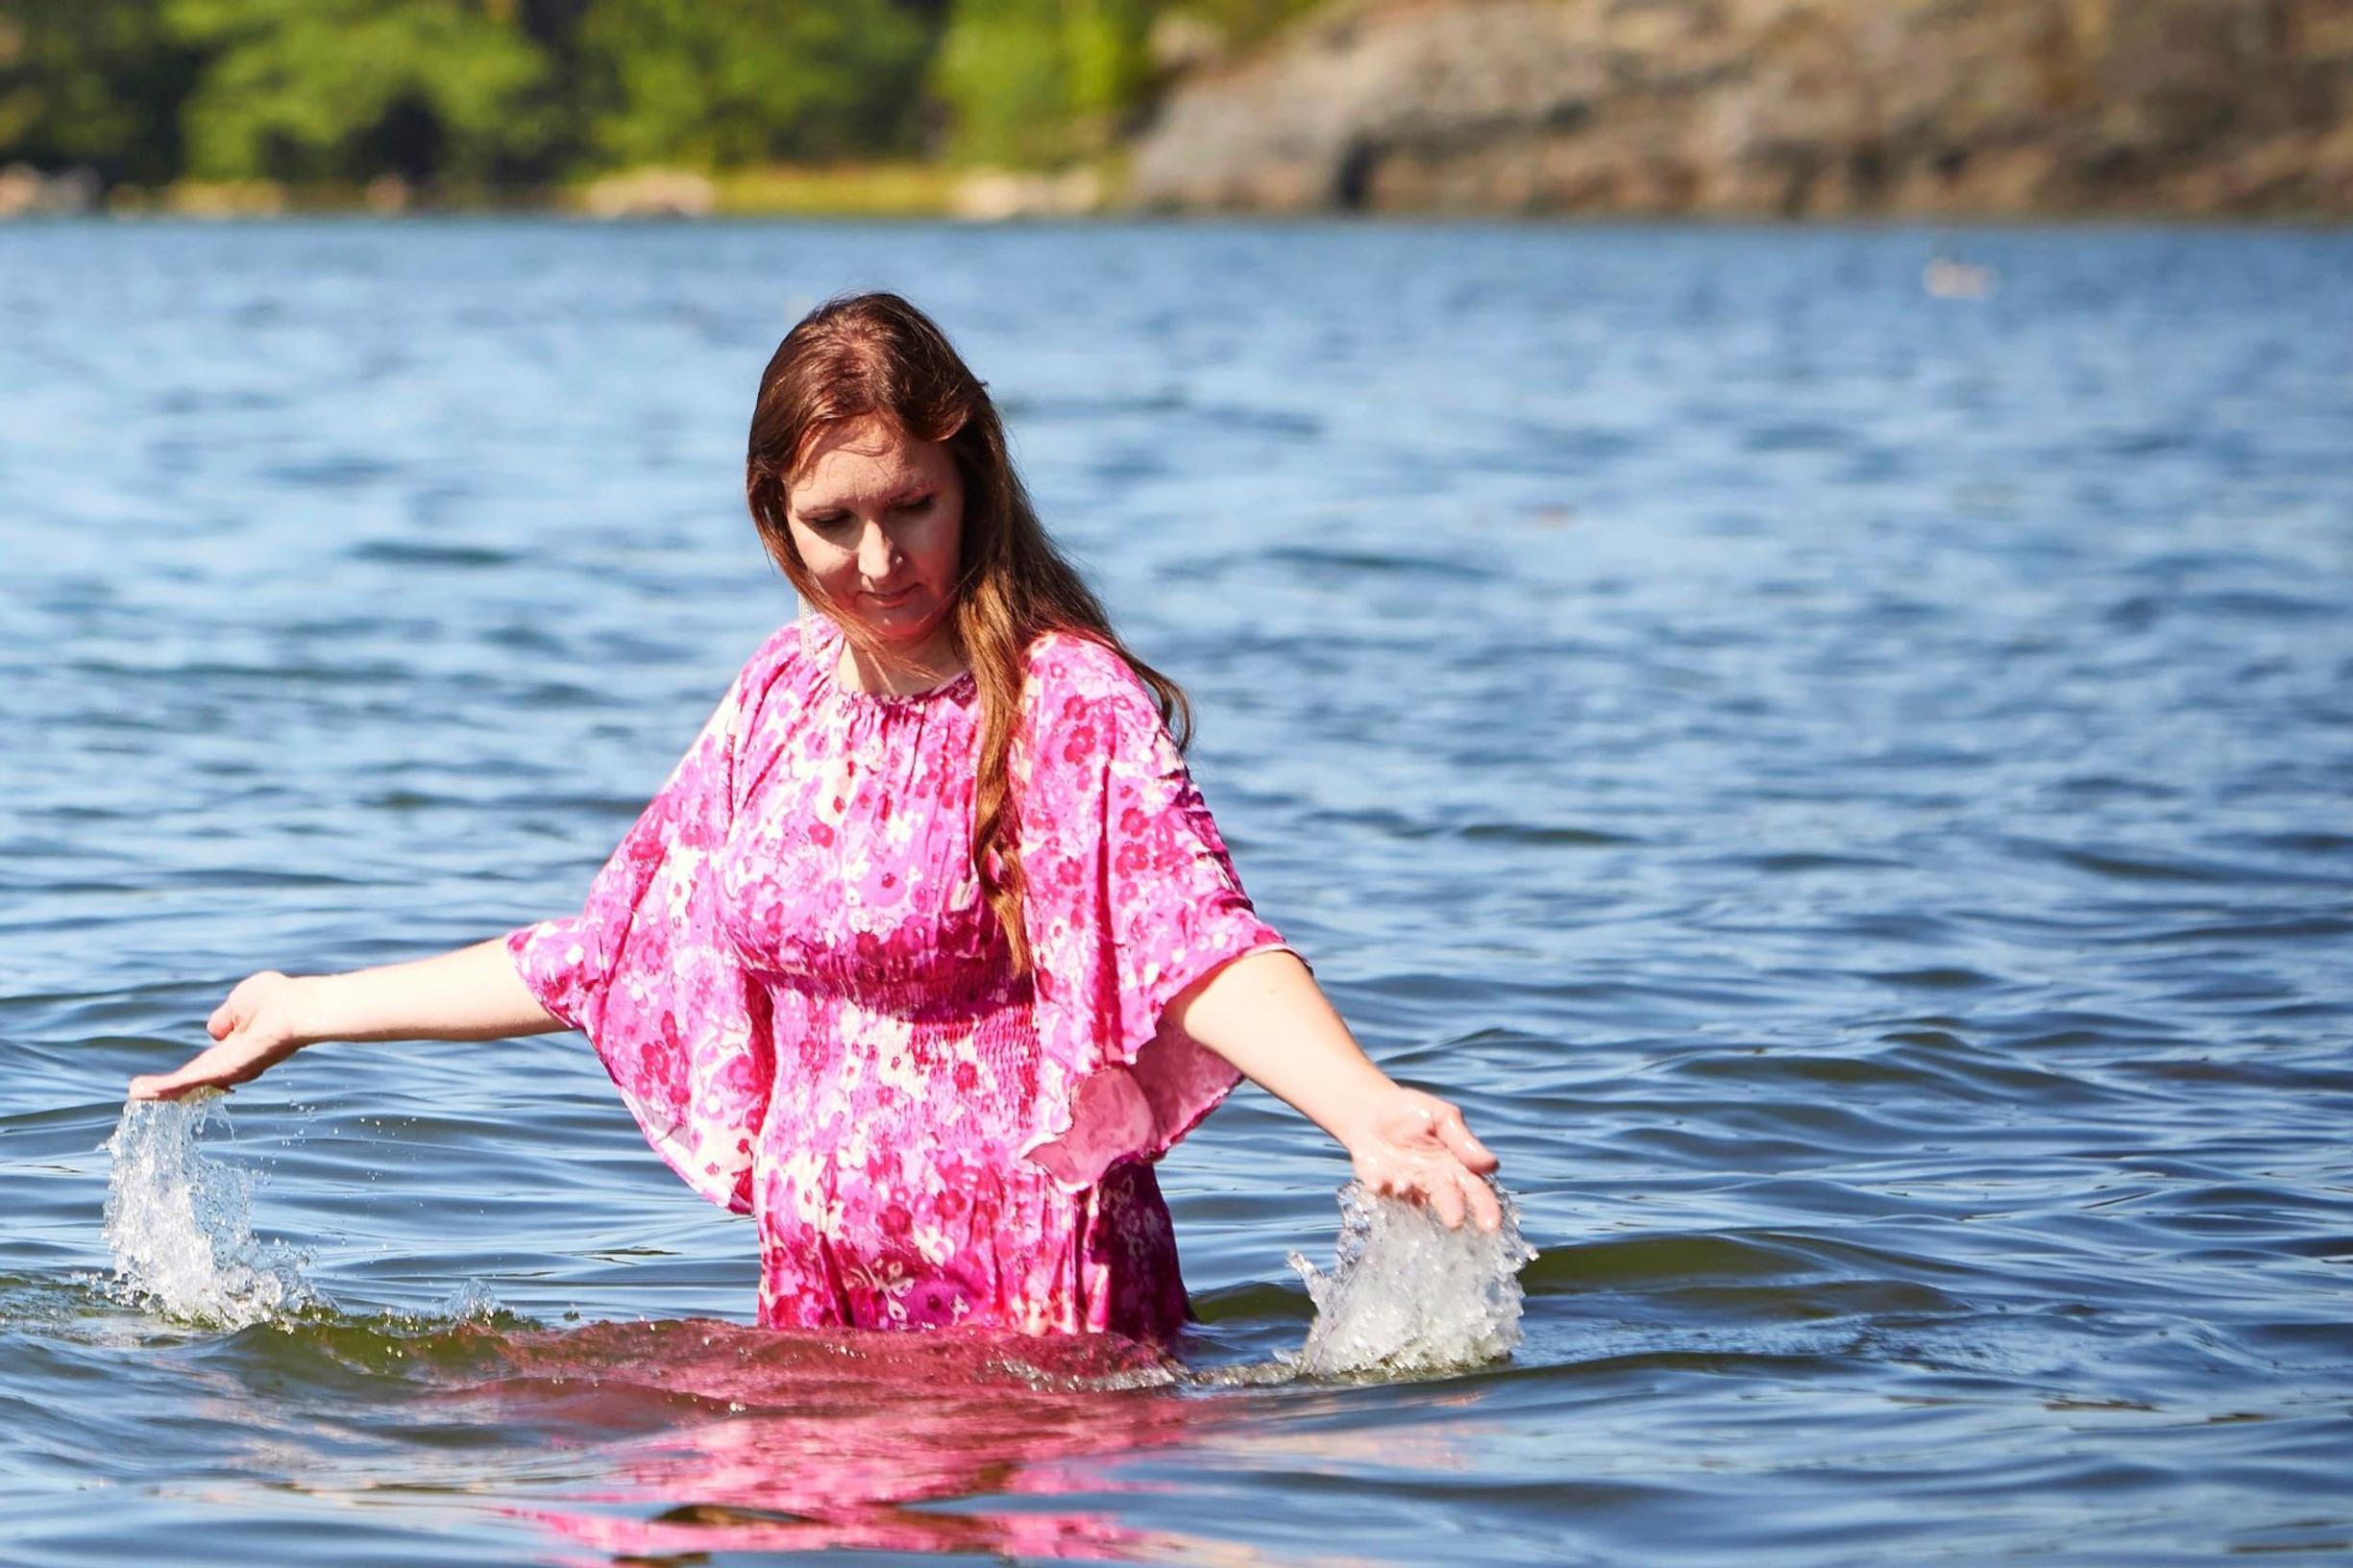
(258, 1027)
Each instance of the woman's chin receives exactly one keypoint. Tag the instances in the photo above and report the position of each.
(906, 629)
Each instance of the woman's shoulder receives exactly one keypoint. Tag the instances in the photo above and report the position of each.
(1062, 663)
(779, 653)
(779, 668)
(789, 646)
(1073, 657)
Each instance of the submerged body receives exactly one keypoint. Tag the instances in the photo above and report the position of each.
(928, 947)
(791, 972)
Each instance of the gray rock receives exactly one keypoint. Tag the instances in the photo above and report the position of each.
(1773, 107)
(25, 191)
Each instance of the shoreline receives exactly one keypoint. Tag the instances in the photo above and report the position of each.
(1089, 192)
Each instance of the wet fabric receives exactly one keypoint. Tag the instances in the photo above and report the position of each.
(788, 970)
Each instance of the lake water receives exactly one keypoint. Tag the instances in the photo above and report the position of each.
(1852, 789)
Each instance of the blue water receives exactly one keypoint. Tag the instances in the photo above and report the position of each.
(1851, 790)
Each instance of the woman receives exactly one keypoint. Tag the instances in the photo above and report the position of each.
(928, 946)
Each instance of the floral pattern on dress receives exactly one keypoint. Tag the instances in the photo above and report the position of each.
(790, 972)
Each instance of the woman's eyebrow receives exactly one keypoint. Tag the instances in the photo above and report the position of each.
(835, 509)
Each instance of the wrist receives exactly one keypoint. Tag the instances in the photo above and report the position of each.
(309, 1009)
(1356, 1123)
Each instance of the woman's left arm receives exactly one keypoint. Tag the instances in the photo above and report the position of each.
(1264, 1014)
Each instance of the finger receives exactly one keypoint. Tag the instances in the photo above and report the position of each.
(1447, 1199)
(219, 1066)
(223, 1019)
(162, 1086)
(1485, 1208)
(1460, 1143)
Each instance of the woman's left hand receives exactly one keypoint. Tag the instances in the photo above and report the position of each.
(1415, 1145)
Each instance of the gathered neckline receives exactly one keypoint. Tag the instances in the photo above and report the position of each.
(825, 654)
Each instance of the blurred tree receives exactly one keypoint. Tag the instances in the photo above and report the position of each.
(519, 91)
(722, 86)
(1244, 21)
(1035, 81)
(311, 89)
(94, 85)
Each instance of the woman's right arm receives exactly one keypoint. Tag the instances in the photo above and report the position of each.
(472, 993)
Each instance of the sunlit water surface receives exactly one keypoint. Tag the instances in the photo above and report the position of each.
(1850, 790)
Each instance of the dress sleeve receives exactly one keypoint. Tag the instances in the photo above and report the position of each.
(1131, 897)
(645, 970)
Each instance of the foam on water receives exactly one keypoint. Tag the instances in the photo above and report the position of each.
(1407, 1296)
(180, 1227)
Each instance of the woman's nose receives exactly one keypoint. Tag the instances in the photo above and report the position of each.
(875, 553)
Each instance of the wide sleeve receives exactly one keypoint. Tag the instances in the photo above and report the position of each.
(1131, 897)
(645, 970)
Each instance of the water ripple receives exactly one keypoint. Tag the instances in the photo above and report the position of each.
(1850, 793)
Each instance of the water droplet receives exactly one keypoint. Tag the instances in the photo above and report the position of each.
(180, 1225)
(1407, 1295)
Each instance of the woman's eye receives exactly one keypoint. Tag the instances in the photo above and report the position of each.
(922, 504)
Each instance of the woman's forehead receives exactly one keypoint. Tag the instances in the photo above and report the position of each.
(866, 459)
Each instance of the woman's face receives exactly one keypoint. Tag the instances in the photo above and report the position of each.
(878, 520)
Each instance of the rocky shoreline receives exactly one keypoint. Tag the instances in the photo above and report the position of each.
(1773, 107)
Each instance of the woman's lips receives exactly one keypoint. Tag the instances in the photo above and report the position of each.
(889, 599)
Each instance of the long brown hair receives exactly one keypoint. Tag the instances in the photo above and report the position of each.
(862, 356)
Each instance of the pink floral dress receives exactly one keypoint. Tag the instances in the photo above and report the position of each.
(790, 971)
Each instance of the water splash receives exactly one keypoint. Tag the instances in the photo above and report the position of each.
(1407, 1295)
(180, 1227)
(473, 1303)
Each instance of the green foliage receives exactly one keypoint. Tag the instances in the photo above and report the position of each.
(522, 91)
(83, 82)
(722, 85)
(310, 89)
(1034, 81)
(1247, 21)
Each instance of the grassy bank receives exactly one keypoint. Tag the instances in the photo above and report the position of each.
(907, 188)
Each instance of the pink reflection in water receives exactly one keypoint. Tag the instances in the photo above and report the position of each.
(754, 1439)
